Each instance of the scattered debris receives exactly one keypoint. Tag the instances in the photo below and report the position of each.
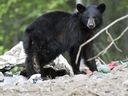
(114, 83)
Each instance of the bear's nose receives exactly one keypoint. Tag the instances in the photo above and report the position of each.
(91, 26)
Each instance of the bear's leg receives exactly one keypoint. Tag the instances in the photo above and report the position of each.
(52, 73)
(73, 52)
(87, 52)
(29, 66)
(46, 55)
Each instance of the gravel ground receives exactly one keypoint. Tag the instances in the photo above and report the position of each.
(98, 84)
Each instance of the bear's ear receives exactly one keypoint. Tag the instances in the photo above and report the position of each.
(101, 8)
(80, 8)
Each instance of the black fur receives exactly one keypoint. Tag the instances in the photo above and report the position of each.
(56, 32)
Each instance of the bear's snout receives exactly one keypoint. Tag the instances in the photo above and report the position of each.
(91, 23)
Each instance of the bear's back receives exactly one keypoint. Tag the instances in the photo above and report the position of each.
(48, 21)
(59, 14)
(53, 17)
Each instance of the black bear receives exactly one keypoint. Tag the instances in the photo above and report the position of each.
(56, 32)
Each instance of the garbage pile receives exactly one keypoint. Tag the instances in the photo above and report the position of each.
(12, 63)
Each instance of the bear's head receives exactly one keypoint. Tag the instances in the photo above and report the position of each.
(91, 16)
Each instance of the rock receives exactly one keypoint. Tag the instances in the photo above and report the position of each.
(1, 77)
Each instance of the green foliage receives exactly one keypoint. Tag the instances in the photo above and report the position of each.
(15, 15)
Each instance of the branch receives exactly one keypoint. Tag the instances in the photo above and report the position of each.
(113, 40)
(105, 50)
(96, 35)
(101, 60)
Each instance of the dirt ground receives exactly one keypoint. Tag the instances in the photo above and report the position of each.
(98, 84)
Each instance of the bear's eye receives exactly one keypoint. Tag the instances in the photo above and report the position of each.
(94, 17)
(86, 17)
